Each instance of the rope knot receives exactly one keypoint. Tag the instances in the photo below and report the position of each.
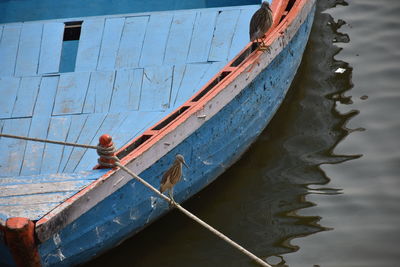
(107, 152)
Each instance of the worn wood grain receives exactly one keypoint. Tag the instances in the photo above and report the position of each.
(8, 90)
(50, 50)
(110, 43)
(26, 97)
(89, 44)
(223, 34)
(9, 48)
(131, 44)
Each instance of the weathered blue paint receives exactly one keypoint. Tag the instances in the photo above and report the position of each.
(32, 197)
(223, 34)
(8, 90)
(50, 50)
(208, 151)
(29, 49)
(26, 97)
(9, 48)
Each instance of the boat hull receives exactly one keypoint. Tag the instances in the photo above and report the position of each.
(209, 151)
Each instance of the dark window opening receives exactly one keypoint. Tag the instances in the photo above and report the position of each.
(170, 118)
(133, 146)
(72, 30)
(72, 33)
(211, 85)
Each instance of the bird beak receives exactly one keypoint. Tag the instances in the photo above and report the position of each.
(184, 163)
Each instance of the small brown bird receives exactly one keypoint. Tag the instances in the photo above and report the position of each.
(260, 23)
(172, 176)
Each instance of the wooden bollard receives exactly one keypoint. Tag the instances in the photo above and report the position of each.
(105, 141)
(20, 238)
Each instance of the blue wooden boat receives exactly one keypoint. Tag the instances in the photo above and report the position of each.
(161, 77)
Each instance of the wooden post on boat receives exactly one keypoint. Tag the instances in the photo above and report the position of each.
(106, 151)
(20, 238)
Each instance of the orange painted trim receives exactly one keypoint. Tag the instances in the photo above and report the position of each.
(19, 234)
(278, 7)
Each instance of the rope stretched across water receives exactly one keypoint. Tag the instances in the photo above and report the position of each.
(109, 154)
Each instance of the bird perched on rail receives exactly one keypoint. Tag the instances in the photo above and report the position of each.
(260, 23)
(172, 176)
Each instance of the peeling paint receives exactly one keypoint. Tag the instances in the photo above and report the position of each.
(57, 240)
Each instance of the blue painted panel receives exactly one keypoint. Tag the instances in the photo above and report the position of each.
(178, 74)
(77, 123)
(50, 51)
(8, 49)
(131, 44)
(110, 43)
(46, 97)
(8, 91)
(241, 35)
(26, 97)
(29, 49)
(156, 39)
(190, 81)
(87, 134)
(127, 90)
(89, 45)
(101, 228)
(52, 154)
(179, 38)
(99, 93)
(156, 88)
(222, 39)
(134, 124)
(12, 150)
(71, 93)
(202, 36)
(39, 126)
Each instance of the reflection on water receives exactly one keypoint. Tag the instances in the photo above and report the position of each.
(283, 190)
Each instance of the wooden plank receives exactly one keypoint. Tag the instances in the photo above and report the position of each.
(89, 159)
(134, 124)
(46, 97)
(99, 93)
(50, 50)
(1, 32)
(131, 44)
(12, 150)
(88, 132)
(41, 188)
(223, 34)
(156, 39)
(71, 93)
(110, 43)
(156, 88)
(32, 160)
(29, 49)
(39, 126)
(53, 177)
(89, 44)
(75, 130)
(241, 35)
(33, 199)
(127, 90)
(26, 97)
(179, 72)
(9, 48)
(8, 91)
(179, 38)
(202, 36)
(52, 154)
(190, 81)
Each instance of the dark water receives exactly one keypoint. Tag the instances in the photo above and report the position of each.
(320, 186)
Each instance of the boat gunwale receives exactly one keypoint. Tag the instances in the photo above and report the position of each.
(277, 34)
